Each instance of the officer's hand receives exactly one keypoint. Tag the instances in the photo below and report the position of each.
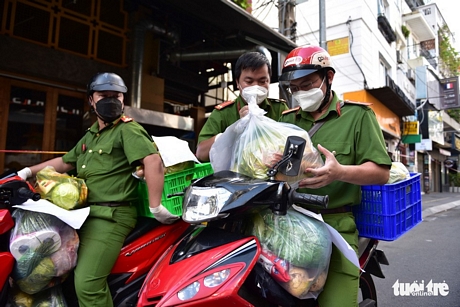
(244, 111)
(25, 173)
(324, 175)
(162, 215)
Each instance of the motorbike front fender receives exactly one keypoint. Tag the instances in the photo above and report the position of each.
(197, 256)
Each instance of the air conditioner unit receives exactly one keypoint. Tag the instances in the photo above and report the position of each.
(399, 57)
(411, 74)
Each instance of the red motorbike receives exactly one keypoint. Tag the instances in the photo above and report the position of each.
(142, 248)
(217, 264)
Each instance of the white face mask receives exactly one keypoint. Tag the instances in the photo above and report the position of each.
(309, 100)
(255, 92)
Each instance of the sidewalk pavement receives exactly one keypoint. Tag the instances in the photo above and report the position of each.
(433, 203)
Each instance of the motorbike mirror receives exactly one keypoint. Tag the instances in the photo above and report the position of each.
(289, 164)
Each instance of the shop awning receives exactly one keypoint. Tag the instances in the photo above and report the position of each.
(231, 20)
(394, 98)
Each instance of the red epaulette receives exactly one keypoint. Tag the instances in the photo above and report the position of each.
(224, 104)
(367, 104)
(296, 109)
(277, 100)
(126, 119)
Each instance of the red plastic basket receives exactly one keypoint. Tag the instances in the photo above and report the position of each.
(388, 211)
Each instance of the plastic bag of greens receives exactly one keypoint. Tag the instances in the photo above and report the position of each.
(52, 297)
(65, 191)
(398, 172)
(254, 143)
(45, 249)
(301, 244)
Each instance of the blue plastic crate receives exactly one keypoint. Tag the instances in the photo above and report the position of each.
(388, 211)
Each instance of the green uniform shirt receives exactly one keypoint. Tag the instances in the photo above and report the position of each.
(107, 158)
(355, 136)
(220, 119)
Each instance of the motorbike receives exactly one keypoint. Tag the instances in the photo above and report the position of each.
(142, 248)
(216, 264)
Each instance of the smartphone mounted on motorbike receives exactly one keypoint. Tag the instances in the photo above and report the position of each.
(290, 163)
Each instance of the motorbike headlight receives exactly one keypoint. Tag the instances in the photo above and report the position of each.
(189, 291)
(216, 278)
(203, 204)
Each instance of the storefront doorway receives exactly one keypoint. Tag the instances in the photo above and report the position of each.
(38, 122)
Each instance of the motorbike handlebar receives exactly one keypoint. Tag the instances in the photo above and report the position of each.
(25, 193)
(310, 199)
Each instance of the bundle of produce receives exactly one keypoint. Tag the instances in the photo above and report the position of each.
(52, 297)
(301, 243)
(255, 143)
(67, 192)
(398, 172)
(182, 166)
(45, 249)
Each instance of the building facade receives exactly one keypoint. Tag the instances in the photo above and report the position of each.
(388, 53)
(169, 52)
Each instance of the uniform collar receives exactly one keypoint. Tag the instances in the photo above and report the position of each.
(95, 127)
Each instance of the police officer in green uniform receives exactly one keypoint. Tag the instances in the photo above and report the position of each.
(252, 74)
(106, 157)
(352, 145)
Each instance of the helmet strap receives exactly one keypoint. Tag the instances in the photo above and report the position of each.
(327, 95)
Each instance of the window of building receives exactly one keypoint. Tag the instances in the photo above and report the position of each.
(96, 29)
(39, 122)
(25, 126)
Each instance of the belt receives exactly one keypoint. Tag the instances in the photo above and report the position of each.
(343, 209)
(113, 204)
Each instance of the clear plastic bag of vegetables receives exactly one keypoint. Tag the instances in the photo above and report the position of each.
(45, 249)
(52, 297)
(398, 172)
(67, 192)
(254, 143)
(296, 250)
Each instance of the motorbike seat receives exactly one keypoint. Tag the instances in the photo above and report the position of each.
(144, 224)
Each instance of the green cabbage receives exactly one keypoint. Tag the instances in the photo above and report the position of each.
(301, 240)
(65, 195)
(61, 189)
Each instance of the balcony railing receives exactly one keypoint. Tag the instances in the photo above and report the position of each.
(385, 28)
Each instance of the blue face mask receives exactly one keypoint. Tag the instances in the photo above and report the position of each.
(109, 109)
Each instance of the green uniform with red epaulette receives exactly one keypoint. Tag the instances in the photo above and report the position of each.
(353, 134)
(106, 159)
(227, 113)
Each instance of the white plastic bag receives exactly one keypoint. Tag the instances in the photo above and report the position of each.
(398, 172)
(251, 145)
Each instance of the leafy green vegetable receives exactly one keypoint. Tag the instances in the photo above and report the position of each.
(65, 195)
(301, 240)
(39, 278)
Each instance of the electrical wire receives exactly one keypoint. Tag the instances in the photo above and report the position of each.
(264, 6)
(351, 53)
(309, 27)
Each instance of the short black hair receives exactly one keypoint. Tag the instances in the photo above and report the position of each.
(252, 60)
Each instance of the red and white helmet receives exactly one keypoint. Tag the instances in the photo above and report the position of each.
(303, 61)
